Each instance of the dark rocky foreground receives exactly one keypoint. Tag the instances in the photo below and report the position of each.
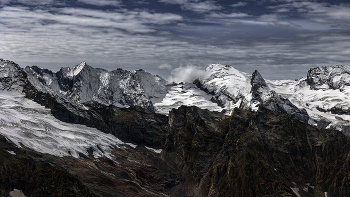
(255, 154)
(205, 153)
(21, 170)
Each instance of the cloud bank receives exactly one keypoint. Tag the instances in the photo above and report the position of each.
(186, 74)
(283, 40)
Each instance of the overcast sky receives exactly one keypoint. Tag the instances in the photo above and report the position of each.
(280, 38)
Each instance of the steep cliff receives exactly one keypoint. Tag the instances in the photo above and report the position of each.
(261, 153)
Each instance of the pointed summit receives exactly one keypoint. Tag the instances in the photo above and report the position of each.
(258, 80)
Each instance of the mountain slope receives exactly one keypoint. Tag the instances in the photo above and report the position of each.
(324, 93)
(43, 156)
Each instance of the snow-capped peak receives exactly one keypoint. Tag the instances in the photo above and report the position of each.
(231, 88)
(76, 70)
(84, 83)
(11, 76)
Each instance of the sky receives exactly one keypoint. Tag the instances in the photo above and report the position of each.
(282, 39)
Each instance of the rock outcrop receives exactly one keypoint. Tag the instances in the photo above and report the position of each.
(12, 77)
(262, 95)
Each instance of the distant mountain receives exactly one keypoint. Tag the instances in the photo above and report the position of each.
(105, 133)
(84, 83)
(323, 93)
(319, 99)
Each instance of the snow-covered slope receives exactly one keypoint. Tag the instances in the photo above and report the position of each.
(231, 88)
(84, 83)
(28, 124)
(324, 93)
(185, 94)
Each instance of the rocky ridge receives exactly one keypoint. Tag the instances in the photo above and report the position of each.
(84, 83)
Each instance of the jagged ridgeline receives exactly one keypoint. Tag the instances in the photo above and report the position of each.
(259, 138)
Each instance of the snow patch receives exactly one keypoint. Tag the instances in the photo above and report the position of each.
(185, 94)
(76, 70)
(11, 152)
(104, 78)
(17, 193)
(154, 150)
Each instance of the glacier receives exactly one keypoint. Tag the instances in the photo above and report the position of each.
(30, 125)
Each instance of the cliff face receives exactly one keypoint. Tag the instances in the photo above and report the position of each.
(259, 153)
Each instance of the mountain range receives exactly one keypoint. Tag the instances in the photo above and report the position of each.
(131, 133)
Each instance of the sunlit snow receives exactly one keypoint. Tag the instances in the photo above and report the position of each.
(31, 125)
(185, 94)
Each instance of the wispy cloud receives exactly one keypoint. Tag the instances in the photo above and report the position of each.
(316, 11)
(115, 3)
(231, 15)
(165, 66)
(195, 5)
(102, 2)
(131, 21)
(239, 4)
(186, 73)
(32, 2)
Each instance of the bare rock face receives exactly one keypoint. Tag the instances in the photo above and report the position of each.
(259, 153)
(12, 77)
